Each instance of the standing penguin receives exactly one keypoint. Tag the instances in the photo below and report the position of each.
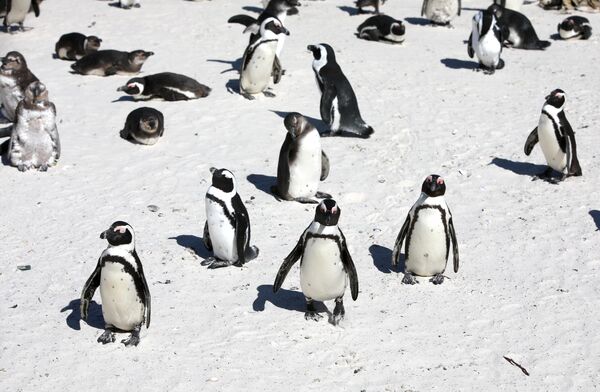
(428, 230)
(259, 57)
(441, 12)
(73, 46)
(144, 125)
(326, 264)
(382, 28)
(17, 10)
(227, 227)
(123, 287)
(166, 85)
(360, 4)
(302, 162)
(517, 29)
(556, 138)
(575, 27)
(339, 108)
(14, 79)
(485, 41)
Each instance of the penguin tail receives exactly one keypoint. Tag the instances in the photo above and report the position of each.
(543, 44)
(242, 19)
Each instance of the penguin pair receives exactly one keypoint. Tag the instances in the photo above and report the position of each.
(486, 41)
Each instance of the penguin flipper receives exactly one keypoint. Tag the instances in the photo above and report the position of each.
(6, 132)
(324, 166)
(423, 7)
(400, 240)
(470, 50)
(277, 71)
(88, 291)
(287, 264)
(245, 20)
(329, 94)
(574, 168)
(146, 290)
(242, 228)
(36, 8)
(454, 244)
(531, 141)
(350, 267)
(171, 95)
(206, 238)
(459, 7)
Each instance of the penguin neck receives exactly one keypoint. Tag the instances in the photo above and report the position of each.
(129, 248)
(432, 200)
(551, 110)
(318, 228)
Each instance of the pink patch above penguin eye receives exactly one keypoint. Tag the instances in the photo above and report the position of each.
(323, 208)
(440, 181)
(120, 229)
(131, 85)
(428, 179)
(334, 210)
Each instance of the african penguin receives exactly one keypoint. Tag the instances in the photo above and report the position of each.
(339, 108)
(360, 4)
(514, 5)
(111, 62)
(428, 231)
(17, 10)
(302, 162)
(382, 28)
(14, 79)
(556, 138)
(123, 287)
(441, 12)
(73, 46)
(227, 227)
(144, 125)
(575, 27)
(127, 4)
(517, 29)
(166, 85)
(485, 41)
(325, 263)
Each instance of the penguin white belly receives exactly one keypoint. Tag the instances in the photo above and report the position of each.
(121, 305)
(336, 116)
(305, 169)
(555, 157)
(322, 275)
(567, 34)
(441, 11)
(62, 53)
(222, 233)
(394, 38)
(280, 42)
(128, 3)
(427, 244)
(514, 37)
(256, 76)
(488, 50)
(18, 11)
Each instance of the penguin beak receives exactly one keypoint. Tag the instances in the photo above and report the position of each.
(212, 170)
(285, 31)
(311, 48)
(103, 235)
(122, 88)
(148, 54)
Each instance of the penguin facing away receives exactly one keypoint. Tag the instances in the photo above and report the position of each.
(556, 138)
(428, 231)
(485, 41)
(441, 12)
(227, 227)
(325, 263)
(15, 76)
(123, 287)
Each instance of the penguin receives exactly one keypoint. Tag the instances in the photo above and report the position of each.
(485, 41)
(292, 11)
(166, 85)
(428, 231)
(258, 60)
(227, 227)
(517, 29)
(556, 138)
(17, 10)
(382, 28)
(575, 27)
(144, 125)
(127, 4)
(325, 263)
(514, 5)
(15, 76)
(339, 108)
(34, 141)
(111, 62)
(360, 4)
(302, 162)
(441, 12)
(73, 46)
(123, 287)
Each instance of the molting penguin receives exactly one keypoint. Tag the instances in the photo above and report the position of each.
(73, 46)
(326, 264)
(485, 41)
(302, 162)
(123, 287)
(34, 142)
(517, 29)
(339, 108)
(14, 79)
(259, 58)
(575, 27)
(441, 12)
(227, 227)
(144, 125)
(360, 4)
(428, 230)
(166, 85)
(17, 10)
(556, 138)
(111, 62)
(127, 4)
(382, 28)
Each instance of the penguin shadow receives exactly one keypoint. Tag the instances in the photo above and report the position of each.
(284, 299)
(459, 64)
(595, 214)
(116, 4)
(349, 10)
(418, 21)
(236, 65)
(249, 8)
(124, 98)
(194, 243)
(382, 259)
(520, 168)
(233, 86)
(262, 182)
(316, 122)
(94, 319)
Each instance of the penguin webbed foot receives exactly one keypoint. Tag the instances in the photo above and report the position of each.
(249, 97)
(275, 193)
(409, 279)
(133, 340)
(305, 200)
(107, 337)
(546, 175)
(437, 279)
(252, 253)
(323, 195)
(213, 263)
(338, 312)
(269, 93)
(311, 312)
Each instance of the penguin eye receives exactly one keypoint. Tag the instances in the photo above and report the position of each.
(440, 181)
(120, 229)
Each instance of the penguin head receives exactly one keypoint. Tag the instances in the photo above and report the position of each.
(556, 98)
(36, 94)
(134, 86)
(322, 53)
(92, 43)
(223, 179)
(139, 56)
(496, 10)
(149, 123)
(118, 234)
(398, 28)
(566, 25)
(434, 186)
(296, 124)
(13, 61)
(271, 28)
(328, 213)
(284, 5)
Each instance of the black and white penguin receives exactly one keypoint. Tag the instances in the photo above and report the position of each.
(258, 60)
(16, 11)
(14, 79)
(34, 141)
(73, 46)
(517, 29)
(556, 138)
(428, 230)
(123, 287)
(166, 85)
(575, 27)
(227, 227)
(360, 4)
(382, 28)
(144, 125)
(111, 62)
(127, 4)
(325, 263)
(485, 41)
(339, 108)
(441, 12)
(302, 162)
